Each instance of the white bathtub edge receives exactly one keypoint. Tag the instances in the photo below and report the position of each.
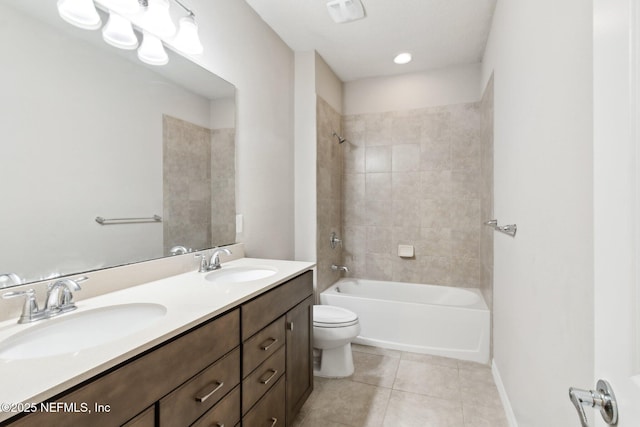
(508, 410)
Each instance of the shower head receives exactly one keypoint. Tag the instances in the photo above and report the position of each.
(340, 139)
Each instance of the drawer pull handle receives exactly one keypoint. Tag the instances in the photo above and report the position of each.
(265, 346)
(274, 421)
(208, 395)
(273, 374)
(290, 326)
(219, 425)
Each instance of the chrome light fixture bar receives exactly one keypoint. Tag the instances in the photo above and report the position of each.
(151, 18)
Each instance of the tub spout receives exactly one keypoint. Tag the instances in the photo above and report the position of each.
(340, 268)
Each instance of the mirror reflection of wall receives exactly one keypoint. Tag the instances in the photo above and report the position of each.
(199, 184)
(82, 136)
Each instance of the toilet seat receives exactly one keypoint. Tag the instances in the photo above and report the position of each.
(329, 316)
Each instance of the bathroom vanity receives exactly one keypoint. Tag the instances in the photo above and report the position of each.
(249, 362)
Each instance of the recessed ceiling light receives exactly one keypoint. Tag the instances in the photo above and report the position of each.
(403, 58)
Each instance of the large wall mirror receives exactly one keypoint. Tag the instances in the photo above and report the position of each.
(90, 131)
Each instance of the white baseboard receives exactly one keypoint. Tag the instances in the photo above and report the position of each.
(508, 410)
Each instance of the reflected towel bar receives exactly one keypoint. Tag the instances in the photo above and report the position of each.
(509, 229)
(112, 221)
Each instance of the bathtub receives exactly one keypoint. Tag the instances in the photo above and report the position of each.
(437, 320)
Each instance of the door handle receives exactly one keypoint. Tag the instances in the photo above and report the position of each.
(601, 398)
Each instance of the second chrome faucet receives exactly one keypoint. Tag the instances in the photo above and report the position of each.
(214, 262)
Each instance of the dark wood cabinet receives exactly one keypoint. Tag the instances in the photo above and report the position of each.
(277, 334)
(299, 356)
(251, 366)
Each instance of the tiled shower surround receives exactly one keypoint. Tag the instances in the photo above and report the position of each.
(198, 185)
(329, 192)
(414, 178)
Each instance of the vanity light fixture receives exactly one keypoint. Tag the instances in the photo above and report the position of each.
(81, 13)
(151, 18)
(151, 51)
(403, 58)
(187, 39)
(118, 32)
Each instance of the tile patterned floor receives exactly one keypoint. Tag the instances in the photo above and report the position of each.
(397, 389)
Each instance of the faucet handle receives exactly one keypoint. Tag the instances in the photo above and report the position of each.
(204, 264)
(30, 310)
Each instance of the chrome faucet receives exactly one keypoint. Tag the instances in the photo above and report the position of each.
(340, 268)
(214, 262)
(60, 296)
(59, 300)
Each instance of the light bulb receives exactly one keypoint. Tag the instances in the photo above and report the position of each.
(187, 39)
(122, 6)
(81, 13)
(151, 50)
(156, 19)
(119, 32)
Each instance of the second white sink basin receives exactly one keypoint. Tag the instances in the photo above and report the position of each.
(240, 274)
(79, 331)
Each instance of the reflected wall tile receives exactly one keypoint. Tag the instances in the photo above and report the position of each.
(435, 155)
(378, 159)
(378, 186)
(406, 127)
(405, 185)
(378, 129)
(405, 157)
(353, 186)
(354, 158)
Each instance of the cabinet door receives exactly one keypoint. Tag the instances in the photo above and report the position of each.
(299, 370)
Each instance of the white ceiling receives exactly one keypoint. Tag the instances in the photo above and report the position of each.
(439, 33)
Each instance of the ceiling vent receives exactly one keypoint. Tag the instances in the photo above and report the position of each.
(345, 10)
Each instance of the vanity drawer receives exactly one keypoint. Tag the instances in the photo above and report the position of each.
(145, 419)
(262, 345)
(267, 307)
(198, 395)
(225, 413)
(270, 410)
(262, 379)
(145, 380)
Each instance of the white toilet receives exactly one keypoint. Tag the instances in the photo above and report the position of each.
(333, 330)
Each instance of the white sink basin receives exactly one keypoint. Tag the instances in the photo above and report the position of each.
(240, 274)
(78, 331)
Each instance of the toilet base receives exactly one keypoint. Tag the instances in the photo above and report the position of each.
(335, 363)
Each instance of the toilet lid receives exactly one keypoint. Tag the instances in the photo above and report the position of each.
(325, 315)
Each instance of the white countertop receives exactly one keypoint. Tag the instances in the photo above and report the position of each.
(189, 299)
